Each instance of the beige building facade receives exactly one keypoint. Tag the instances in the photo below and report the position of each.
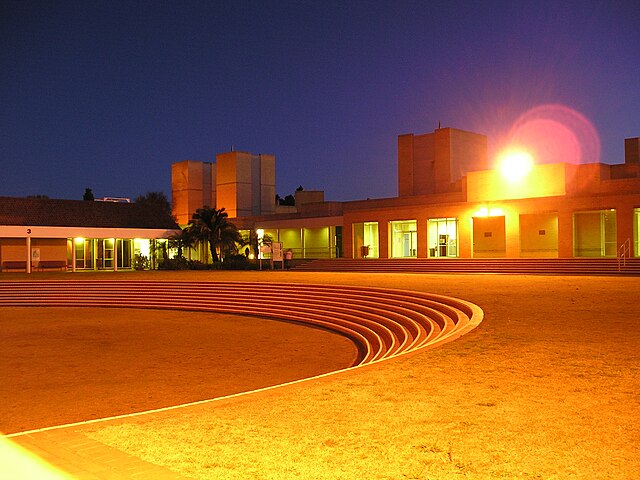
(452, 204)
(242, 183)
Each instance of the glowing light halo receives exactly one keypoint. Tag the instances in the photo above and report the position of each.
(515, 164)
(555, 133)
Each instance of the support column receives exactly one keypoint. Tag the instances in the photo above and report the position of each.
(565, 234)
(74, 257)
(28, 264)
(115, 254)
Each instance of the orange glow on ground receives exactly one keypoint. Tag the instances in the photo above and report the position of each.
(515, 165)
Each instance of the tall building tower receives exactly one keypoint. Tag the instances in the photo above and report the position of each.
(193, 185)
(436, 162)
(246, 183)
(240, 182)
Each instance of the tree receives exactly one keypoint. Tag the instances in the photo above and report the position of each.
(211, 226)
(255, 242)
(156, 200)
(88, 195)
(183, 240)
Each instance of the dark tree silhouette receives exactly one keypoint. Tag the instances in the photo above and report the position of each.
(213, 227)
(156, 200)
(88, 195)
(181, 241)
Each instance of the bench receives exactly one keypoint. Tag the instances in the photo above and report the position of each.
(14, 265)
(52, 264)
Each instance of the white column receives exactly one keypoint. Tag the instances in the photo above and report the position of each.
(94, 242)
(115, 254)
(73, 255)
(28, 254)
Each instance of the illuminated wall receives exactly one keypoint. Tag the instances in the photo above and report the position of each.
(543, 181)
(489, 237)
(193, 185)
(245, 183)
(539, 235)
(436, 162)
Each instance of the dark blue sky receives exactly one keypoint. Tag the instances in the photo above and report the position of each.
(107, 95)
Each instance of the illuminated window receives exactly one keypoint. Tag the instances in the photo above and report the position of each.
(84, 253)
(365, 240)
(443, 237)
(404, 239)
(124, 252)
(594, 234)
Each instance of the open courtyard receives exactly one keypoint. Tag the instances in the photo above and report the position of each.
(546, 387)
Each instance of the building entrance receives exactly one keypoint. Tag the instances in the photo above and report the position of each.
(443, 237)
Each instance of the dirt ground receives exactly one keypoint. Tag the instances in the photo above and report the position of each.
(65, 365)
(547, 387)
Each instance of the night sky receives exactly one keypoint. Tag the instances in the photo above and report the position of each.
(107, 95)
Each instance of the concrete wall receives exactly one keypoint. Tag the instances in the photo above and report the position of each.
(193, 185)
(246, 183)
(437, 162)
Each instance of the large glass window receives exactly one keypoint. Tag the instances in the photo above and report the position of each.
(594, 234)
(291, 239)
(105, 253)
(124, 253)
(443, 237)
(365, 240)
(404, 239)
(317, 242)
(84, 253)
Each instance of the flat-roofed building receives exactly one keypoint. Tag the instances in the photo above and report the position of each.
(41, 233)
(451, 203)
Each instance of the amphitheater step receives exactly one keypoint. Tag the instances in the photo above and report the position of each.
(573, 266)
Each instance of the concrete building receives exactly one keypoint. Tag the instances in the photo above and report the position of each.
(452, 204)
(47, 234)
(242, 183)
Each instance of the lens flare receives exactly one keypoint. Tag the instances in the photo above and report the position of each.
(515, 164)
(556, 134)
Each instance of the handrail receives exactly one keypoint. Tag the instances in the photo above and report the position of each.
(623, 252)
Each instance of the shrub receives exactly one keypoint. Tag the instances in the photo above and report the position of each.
(177, 263)
(237, 262)
(141, 262)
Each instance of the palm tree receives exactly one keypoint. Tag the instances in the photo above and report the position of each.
(211, 226)
(256, 242)
(183, 240)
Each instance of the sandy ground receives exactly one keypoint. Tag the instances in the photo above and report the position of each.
(64, 365)
(548, 387)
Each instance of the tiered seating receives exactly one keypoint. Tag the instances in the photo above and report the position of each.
(552, 266)
(384, 323)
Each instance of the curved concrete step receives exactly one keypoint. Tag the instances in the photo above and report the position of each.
(384, 323)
